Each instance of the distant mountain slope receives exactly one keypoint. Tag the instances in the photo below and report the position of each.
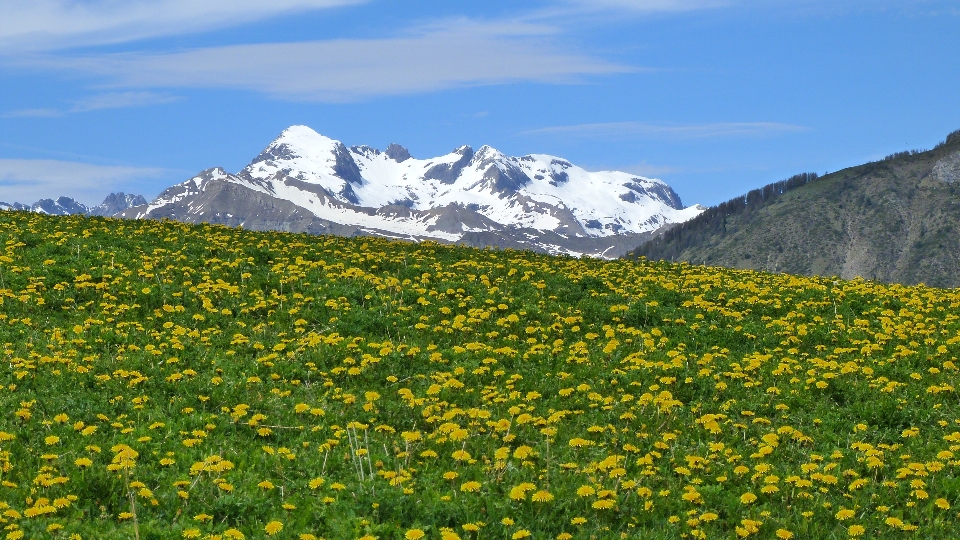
(894, 220)
(113, 204)
(306, 182)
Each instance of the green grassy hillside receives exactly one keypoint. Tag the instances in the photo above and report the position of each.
(894, 220)
(163, 380)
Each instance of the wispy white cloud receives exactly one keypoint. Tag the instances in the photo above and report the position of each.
(32, 113)
(109, 100)
(457, 54)
(620, 130)
(50, 24)
(651, 6)
(121, 100)
(28, 180)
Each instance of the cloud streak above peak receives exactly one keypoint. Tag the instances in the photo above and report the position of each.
(53, 24)
(461, 54)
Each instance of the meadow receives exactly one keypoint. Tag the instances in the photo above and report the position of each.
(163, 380)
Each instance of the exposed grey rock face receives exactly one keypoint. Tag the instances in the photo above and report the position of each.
(506, 180)
(116, 203)
(448, 173)
(61, 207)
(397, 153)
(217, 200)
(14, 207)
(346, 168)
(948, 169)
(662, 192)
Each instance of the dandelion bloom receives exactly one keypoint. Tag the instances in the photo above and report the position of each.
(784, 534)
(273, 527)
(414, 534)
(470, 486)
(748, 498)
(522, 533)
(942, 504)
(856, 530)
(542, 496)
(844, 513)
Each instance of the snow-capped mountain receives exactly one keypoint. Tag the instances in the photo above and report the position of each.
(62, 206)
(304, 181)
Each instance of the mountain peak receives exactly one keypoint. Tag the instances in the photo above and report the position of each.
(397, 153)
(463, 196)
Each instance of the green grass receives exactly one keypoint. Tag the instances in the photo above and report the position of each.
(386, 389)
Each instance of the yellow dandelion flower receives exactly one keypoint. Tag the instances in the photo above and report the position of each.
(273, 527)
(191, 533)
(266, 484)
(233, 534)
(784, 534)
(856, 530)
(522, 452)
(414, 534)
(470, 486)
(942, 504)
(585, 491)
(522, 533)
(844, 513)
(578, 520)
(542, 496)
(748, 498)
(517, 493)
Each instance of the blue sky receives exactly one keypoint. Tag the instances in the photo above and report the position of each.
(714, 96)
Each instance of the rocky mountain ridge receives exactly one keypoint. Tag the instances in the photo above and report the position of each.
(893, 220)
(305, 182)
(112, 205)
